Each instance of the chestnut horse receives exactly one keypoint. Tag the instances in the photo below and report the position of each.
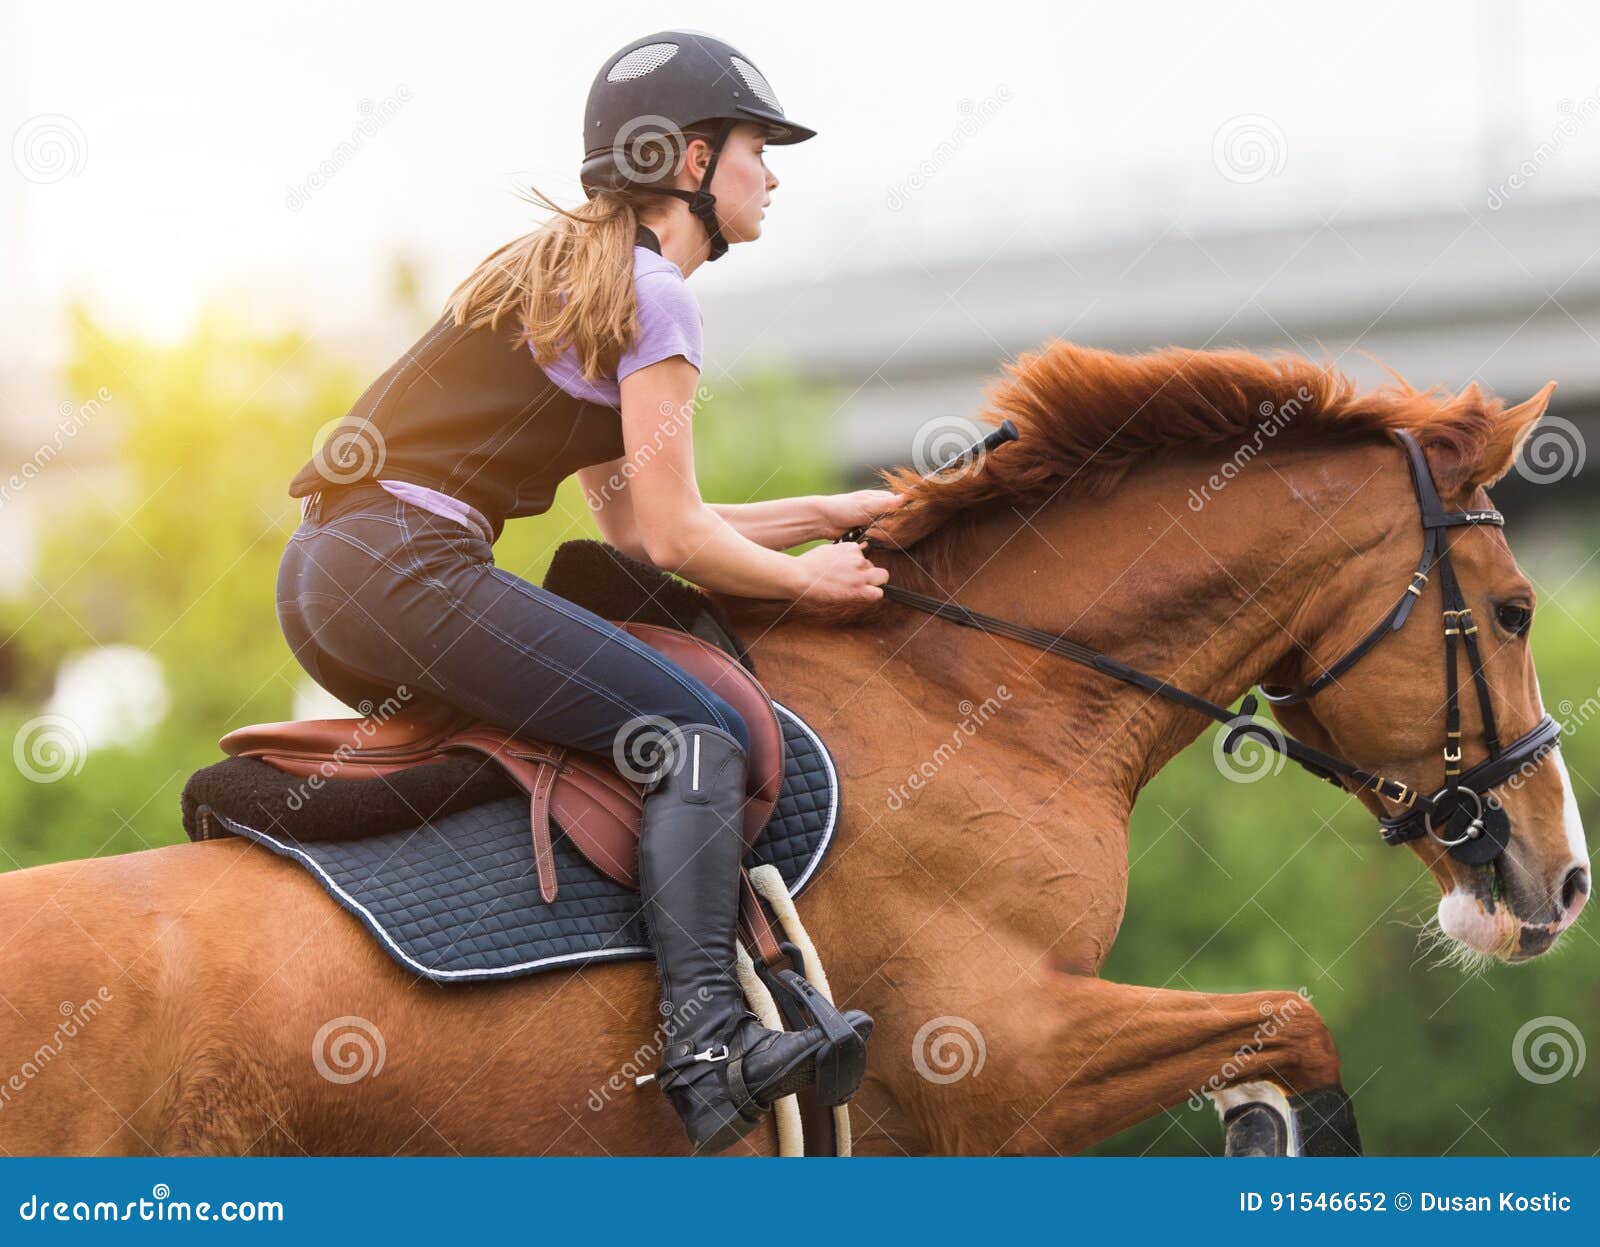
(1213, 517)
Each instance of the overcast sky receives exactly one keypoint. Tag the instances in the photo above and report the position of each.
(163, 152)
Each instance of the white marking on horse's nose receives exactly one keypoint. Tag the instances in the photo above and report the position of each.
(1571, 897)
(1571, 820)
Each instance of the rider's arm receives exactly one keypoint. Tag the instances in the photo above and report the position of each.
(777, 523)
(678, 531)
(605, 489)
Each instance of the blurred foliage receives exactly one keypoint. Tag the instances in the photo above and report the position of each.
(1280, 885)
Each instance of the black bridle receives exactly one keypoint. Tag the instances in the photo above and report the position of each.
(1462, 815)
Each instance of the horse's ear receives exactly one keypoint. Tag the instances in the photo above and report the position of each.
(1510, 430)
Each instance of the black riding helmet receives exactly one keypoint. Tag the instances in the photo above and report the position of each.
(648, 93)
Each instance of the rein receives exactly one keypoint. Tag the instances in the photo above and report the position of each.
(1476, 826)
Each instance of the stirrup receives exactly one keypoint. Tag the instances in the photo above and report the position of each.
(814, 1068)
(842, 1060)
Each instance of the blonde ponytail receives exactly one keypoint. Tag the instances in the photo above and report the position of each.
(585, 253)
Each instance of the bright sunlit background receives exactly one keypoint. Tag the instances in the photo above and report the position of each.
(169, 155)
(217, 225)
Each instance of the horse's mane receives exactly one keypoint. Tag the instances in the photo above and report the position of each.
(1087, 416)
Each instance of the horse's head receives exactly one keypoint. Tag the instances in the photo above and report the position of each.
(1330, 519)
(1387, 713)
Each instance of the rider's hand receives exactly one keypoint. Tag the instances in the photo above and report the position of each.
(839, 572)
(856, 509)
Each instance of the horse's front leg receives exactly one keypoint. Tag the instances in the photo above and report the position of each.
(1070, 1060)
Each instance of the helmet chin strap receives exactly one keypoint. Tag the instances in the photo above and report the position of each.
(700, 200)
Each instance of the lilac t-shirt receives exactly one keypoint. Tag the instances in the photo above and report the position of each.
(669, 324)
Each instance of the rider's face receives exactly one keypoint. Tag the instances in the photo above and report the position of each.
(742, 183)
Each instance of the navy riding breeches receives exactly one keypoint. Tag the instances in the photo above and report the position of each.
(376, 596)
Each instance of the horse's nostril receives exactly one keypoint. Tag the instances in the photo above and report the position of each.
(1574, 888)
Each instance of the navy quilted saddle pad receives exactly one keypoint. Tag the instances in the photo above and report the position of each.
(457, 899)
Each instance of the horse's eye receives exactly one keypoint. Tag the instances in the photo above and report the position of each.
(1514, 617)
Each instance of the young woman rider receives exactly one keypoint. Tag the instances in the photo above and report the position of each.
(577, 349)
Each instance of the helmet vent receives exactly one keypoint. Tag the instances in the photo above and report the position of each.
(753, 79)
(642, 61)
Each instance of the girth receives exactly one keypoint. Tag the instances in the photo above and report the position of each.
(1462, 815)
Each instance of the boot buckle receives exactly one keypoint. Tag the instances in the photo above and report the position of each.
(716, 1052)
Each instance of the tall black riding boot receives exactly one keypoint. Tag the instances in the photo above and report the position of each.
(720, 1068)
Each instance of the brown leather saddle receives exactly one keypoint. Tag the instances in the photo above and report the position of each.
(598, 808)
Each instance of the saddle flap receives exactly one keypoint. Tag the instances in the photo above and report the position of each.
(727, 678)
(601, 812)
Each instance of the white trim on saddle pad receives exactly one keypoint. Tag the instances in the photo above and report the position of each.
(833, 788)
(371, 922)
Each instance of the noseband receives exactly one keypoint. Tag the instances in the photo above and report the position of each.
(1462, 815)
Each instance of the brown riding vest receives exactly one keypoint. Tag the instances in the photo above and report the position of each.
(470, 413)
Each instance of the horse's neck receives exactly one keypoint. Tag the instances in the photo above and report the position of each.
(1199, 589)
